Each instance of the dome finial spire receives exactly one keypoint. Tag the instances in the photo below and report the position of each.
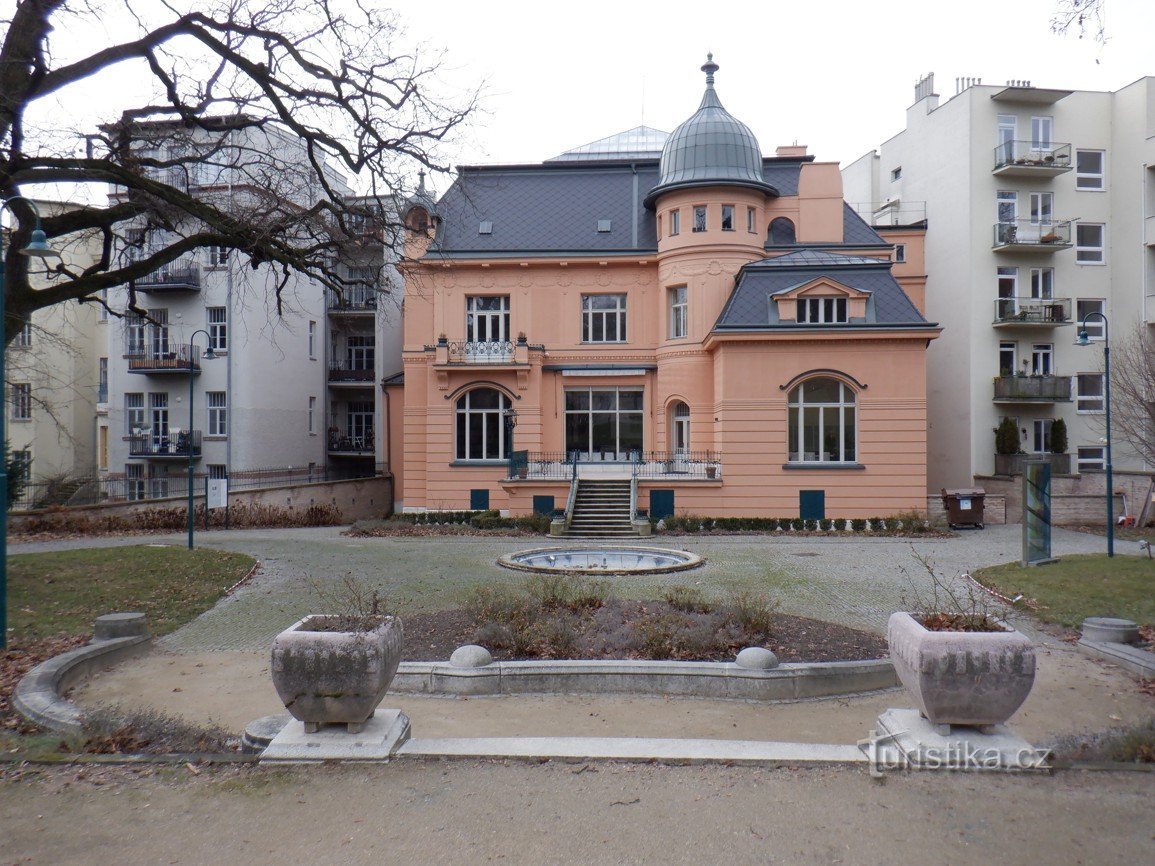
(710, 67)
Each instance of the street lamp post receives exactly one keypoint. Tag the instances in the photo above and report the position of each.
(208, 356)
(37, 247)
(1083, 340)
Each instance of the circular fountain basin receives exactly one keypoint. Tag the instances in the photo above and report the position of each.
(601, 560)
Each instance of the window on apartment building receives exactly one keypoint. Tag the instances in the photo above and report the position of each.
(1090, 243)
(821, 311)
(699, 217)
(604, 423)
(103, 305)
(20, 467)
(1042, 208)
(158, 411)
(487, 319)
(218, 471)
(218, 329)
(1085, 307)
(313, 340)
(1089, 169)
(157, 482)
(1041, 435)
(896, 173)
(102, 380)
(1008, 284)
(675, 222)
(1042, 357)
(360, 351)
(218, 413)
(1006, 138)
(899, 254)
(752, 220)
(134, 481)
(603, 318)
(24, 338)
(1043, 283)
(218, 256)
(727, 217)
(359, 418)
(134, 330)
(158, 343)
(481, 428)
(1089, 392)
(1090, 457)
(133, 245)
(679, 325)
(312, 414)
(21, 401)
(133, 413)
(1008, 358)
(1041, 128)
(821, 420)
(1007, 203)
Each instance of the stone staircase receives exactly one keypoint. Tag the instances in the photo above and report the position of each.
(601, 509)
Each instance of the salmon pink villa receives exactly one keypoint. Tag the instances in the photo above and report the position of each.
(674, 321)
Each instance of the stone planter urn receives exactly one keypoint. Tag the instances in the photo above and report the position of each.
(962, 678)
(327, 676)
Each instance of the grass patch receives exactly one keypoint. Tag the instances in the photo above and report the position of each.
(53, 593)
(1076, 587)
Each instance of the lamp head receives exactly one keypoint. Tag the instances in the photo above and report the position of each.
(209, 354)
(38, 246)
(1082, 339)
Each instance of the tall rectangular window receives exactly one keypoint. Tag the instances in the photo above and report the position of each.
(899, 254)
(312, 414)
(103, 305)
(1042, 208)
(134, 480)
(1089, 243)
(133, 413)
(603, 318)
(679, 325)
(1007, 205)
(218, 256)
(158, 330)
(1089, 169)
(359, 351)
(752, 220)
(487, 319)
(1006, 138)
(1008, 282)
(1041, 435)
(313, 340)
(1042, 356)
(24, 338)
(134, 329)
(1043, 283)
(699, 217)
(1041, 133)
(727, 217)
(102, 380)
(218, 329)
(1008, 351)
(821, 311)
(675, 222)
(604, 423)
(1085, 307)
(218, 413)
(360, 424)
(1089, 392)
(21, 401)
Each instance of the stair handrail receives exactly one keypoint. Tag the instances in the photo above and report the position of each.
(633, 499)
(570, 502)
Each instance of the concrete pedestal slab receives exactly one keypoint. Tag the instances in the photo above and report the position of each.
(382, 735)
(903, 739)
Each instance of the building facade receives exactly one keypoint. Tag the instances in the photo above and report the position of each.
(718, 327)
(1040, 206)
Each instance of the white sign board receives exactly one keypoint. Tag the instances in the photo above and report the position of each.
(218, 493)
(964, 504)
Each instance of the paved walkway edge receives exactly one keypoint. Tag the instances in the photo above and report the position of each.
(1137, 661)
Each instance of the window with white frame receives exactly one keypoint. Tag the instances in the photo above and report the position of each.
(1008, 288)
(158, 333)
(821, 420)
(899, 254)
(1043, 283)
(752, 220)
(133, 413)
(821, 311)
(603, 318)
(1041, 128)
(1006, 137)
(158, 412)
(679, 324)
(481, 428)
(1007, 205)
(312, 414)
(21, 401)
(1042, 208)
(102, 380)
(103, 305)
(1090, 457)
(1090, 243)
(727, 217)
(1008, 354)
(487, 319)
(1042, 356)
(218, 471)
(675, 222)
(360, 351)
(218, 329)
(1041, 435)
(359, 424)
(21, 463)
(1085, 307)
(134, 481)
(218, 413)
(218, 256)
(313, 340)
(1089, 169)
(134, 330)
(1089, 389)
(699, 217)
(24, 338)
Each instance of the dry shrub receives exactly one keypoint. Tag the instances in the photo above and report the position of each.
(567, 591)
(753, 612)
(687, 599)
(241, 515)
(109, 730)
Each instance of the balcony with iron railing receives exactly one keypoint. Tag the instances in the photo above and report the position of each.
(350, 373)
(353, 299)
(1032, 389)
(566, 465)
(482, 353)
(183, 275)
(1030, 236)
(1032, 312)
(170, 359)
(351, 444)
(171, 444)
(1031, 159)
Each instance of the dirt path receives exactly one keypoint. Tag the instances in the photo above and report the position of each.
(422, 812)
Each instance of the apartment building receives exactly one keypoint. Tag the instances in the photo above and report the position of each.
(1040, 209)
(715, 329)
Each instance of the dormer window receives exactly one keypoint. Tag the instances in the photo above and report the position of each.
(821, 311)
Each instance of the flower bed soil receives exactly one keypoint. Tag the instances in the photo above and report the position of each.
(434, 637)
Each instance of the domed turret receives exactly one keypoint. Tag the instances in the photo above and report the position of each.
(710, 148)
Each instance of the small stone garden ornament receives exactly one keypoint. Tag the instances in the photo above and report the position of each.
(959, 659)
(335, 668)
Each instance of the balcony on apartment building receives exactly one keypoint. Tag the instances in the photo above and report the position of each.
(1030, 236)
(1016, 464)
(353, 300)
(182, 275)
(1032, 389)
(165, 360)
(1031, 159)
(350, 373)
(1032, 312)
(352, 444)
(172, 443)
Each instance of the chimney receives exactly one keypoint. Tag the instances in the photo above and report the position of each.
(791, 150)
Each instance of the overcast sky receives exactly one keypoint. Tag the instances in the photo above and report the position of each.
(836, 75)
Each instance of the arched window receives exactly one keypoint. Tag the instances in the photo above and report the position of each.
(782, 231)
(481, 433)
(822, 423)
(680, 427)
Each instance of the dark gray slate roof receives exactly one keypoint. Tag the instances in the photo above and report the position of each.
(856, 231)
(749, 306)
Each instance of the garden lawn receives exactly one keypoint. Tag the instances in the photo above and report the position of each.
(1077, 587)
(63, 592)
